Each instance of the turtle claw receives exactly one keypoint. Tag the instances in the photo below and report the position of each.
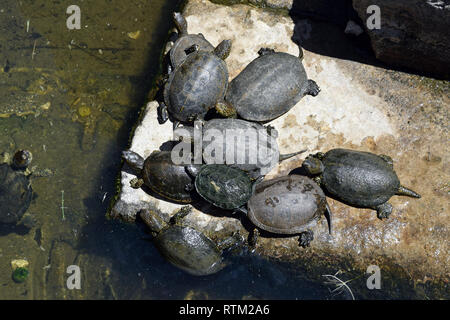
(163, 113)
(305, 238)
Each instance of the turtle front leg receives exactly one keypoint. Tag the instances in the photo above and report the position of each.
(163, 113)
(180, 214)
(305, 238)
(383, 210)
(312, 88)
(387, 159)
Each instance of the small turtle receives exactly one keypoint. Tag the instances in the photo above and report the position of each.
(247, 145)
(161, 175)
(360, 179)
(270, 86)
(287, 205)
(197, 85)
(15, 190)
(224, 186)
(184, 246)
(185, 41)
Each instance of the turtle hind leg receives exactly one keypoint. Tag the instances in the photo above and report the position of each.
(383, 210)
(264, 51)
(253, 239)
(305, 238)
(403, 191)
(312, 88)
(180, 23)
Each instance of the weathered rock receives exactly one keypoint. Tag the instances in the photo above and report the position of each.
(413, 34)
(360, 107)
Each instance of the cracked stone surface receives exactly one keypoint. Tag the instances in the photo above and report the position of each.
(362, 107)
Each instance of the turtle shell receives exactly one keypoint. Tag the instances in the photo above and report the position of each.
(224, 186)
(254, 148)
(15, 194)
(189, 250)
(195, 86)
(286, 205)
(178, 53)
(166, 178)
(358, 178)
(268, 87)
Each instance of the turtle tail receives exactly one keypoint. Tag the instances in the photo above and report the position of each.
(403, 191)
(328, 216)
(290, 155)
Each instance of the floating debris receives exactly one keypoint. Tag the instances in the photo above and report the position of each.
(134, 35)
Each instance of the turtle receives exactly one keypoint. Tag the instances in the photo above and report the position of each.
(184, 246)
(197, 85)
(225, 187)
(247, 145)
(161, 175)
(16, 192)
(358, 178)
(185, 41)
(287, 205)
(269, 86)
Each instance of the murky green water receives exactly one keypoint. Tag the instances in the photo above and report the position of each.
(72, 98)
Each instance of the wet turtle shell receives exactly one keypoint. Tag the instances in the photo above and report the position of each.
(358, 178)
(15, 194)
(183, 43)
(166, 178)
(269, 86)
(255, 148)
(190, 250)
(195, 86)
(286, 205)
(224, 186)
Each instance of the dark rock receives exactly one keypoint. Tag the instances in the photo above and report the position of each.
(413, 34)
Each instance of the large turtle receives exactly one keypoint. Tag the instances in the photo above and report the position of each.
(197, 85)
(162, 175)
(287, 205)
(360, 179)
(247, 145)
(184, 246)
(185, 41)
(270, 86)
(15, 190)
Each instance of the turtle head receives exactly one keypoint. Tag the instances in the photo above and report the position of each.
(22, 159)
(223, 49)
(225, 109)
(313, 165)
(153, 220)
(134, 160)
(180, 23)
